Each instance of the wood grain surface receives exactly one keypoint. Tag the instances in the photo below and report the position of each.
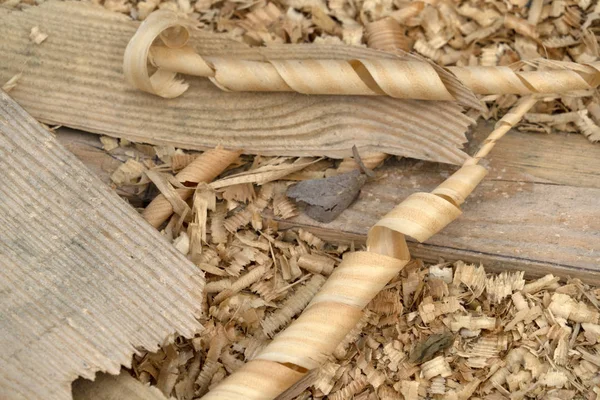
(75, 78)
(538, 209)
(84, 280)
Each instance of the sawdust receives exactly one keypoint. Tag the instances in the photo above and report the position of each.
(539, 344)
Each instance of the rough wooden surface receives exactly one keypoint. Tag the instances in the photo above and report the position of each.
(78, 68)
(111, 387)
(84, 280)
(537, 210)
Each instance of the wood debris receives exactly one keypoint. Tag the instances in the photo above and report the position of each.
(519, 344)
(447, 329)
(37, 36)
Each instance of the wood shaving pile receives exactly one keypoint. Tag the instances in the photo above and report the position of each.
(444, 331)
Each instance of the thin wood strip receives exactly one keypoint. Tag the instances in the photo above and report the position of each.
(398, 77)
(93, 96)
(204, 168)
(85, 280)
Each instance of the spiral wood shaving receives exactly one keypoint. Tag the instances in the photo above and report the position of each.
(406, 77)
(336, 309)
(387, 35)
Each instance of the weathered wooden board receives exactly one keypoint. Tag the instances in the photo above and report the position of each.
(75, 78)
(84, 280)
(537, 210)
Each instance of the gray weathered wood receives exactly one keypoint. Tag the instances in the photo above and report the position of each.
(538, 210)
(84, 280)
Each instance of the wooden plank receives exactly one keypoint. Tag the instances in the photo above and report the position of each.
(84, 280)
(78, 68)
(538, 210)
(564, 159)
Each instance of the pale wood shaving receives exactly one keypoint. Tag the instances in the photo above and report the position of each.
(12, 82)
(381, 353)
(128, 173)
(109, 143)
(37, 36)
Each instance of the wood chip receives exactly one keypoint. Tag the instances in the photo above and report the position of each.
(325, 199)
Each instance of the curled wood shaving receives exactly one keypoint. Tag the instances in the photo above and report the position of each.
(337, 307)
(181, 160)
(12, 82)
(283, 207)
(564, 306)
(204, 168)
(316, 264)
(264, 174)
(467, 31)
(351, 389)
(168, 26)
(292, 305)
(387, 34)
(503, 285)
(171, 195)
(310, 239)
(469, 371)
(370, 161)
(588, 128)
(420, 80)
(436, 367)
